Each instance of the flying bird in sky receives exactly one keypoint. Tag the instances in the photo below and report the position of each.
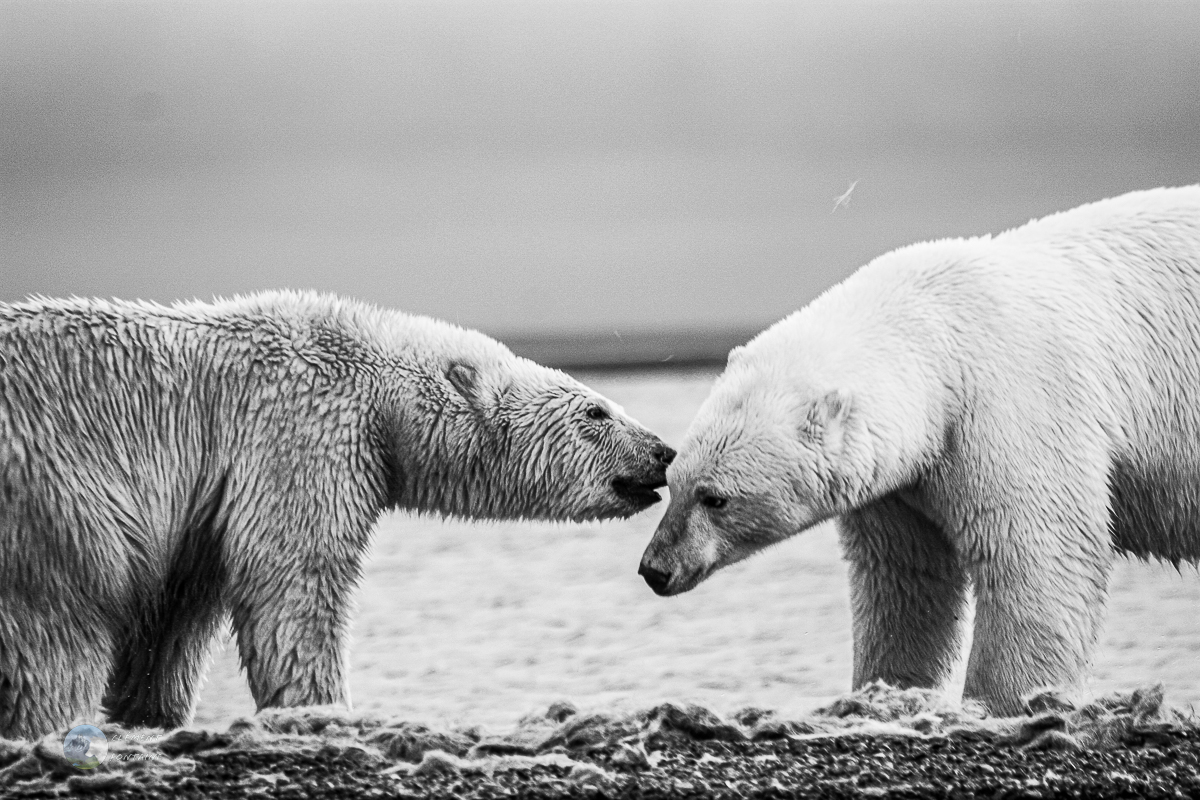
(843, 200)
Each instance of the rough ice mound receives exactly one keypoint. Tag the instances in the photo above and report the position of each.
(563, 734)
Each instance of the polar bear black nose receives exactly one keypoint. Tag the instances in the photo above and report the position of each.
(654, 579)
(664, 454)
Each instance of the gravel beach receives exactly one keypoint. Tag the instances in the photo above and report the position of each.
(878, 742)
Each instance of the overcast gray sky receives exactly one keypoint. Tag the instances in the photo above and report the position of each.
(562, 166)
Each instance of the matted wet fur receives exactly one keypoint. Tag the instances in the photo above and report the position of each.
(161, 467)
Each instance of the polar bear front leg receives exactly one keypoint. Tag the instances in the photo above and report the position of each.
(291, 636)
(1040, 588)
(291, 593)
(907, 593)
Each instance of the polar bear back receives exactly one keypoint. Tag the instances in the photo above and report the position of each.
(1093, 312)
(1137, 293)
(1100, 314)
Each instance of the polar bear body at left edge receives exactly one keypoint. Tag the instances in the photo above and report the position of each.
(999, 414)
(161, 467)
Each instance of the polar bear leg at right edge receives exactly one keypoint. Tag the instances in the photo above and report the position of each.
(1039, 560)
(907, 593)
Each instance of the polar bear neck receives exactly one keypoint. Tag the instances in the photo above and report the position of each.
(881, 337)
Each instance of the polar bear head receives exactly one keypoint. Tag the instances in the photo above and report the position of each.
(768, 455)
(481, 433)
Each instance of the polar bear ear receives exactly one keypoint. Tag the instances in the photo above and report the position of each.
(825, 418)
(465, 379)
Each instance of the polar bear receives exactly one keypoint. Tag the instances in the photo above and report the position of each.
(161, 467)
(998, 414)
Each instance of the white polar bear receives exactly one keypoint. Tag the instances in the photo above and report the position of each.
(998, 414)
(161, 468)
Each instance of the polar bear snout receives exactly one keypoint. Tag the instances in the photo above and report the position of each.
(658, 581)
(670, 572)
(640, 491)
(639, 488)
(663, 455)
(679, 555)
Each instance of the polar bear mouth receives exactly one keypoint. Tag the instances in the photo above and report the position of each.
(640, 491)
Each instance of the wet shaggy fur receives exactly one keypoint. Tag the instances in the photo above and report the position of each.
(163, 467)
(998, 415)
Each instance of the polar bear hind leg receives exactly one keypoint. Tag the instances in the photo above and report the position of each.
(1040, 590)
(52, 667)
(159, 665)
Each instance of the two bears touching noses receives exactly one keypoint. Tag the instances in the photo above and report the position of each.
(994, 416)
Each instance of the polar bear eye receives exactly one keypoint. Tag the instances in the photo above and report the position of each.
(596, 412)
(712, 501)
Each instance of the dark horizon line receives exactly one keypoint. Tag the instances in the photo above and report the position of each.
(630, 350)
